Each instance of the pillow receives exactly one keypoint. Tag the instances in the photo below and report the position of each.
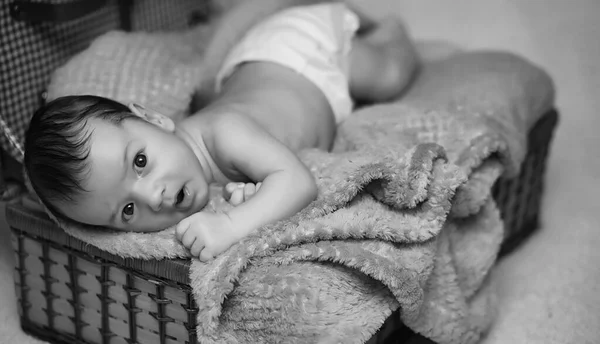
(158, 70)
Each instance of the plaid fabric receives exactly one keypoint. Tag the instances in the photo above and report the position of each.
(30, 52)
(153, 15)
(159, 70)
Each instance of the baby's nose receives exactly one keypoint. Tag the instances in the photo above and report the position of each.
(156, 198)
(152, 195)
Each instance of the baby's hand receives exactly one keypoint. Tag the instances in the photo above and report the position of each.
(238, 193)
(206, 235)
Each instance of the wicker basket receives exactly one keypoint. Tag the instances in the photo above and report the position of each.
(71, 292)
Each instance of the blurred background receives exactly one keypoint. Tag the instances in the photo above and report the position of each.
(549, 289)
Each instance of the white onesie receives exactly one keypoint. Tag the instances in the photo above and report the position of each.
(314, 41)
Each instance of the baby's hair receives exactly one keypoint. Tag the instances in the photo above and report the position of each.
(57, 145)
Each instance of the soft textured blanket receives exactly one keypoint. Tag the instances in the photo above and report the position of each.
(404, 218)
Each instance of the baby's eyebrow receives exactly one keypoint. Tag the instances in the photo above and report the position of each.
(125, 160)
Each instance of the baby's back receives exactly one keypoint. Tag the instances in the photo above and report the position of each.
(287, 105)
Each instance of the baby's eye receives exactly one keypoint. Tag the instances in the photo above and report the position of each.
(140, 160)
(128, 212)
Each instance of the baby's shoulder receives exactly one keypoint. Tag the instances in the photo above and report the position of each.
(227, 137)
(221, 131)
(230, 123)
(213, 124)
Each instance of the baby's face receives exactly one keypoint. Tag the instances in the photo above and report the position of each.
(143, 178)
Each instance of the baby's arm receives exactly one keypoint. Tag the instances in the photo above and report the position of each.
(287, 187)
(287, 184)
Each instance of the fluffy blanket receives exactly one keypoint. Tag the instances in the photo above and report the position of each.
(404, 219)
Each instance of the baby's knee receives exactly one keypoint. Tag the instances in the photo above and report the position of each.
(384, 62)
(398, 58)
(401, 68)
(396, 75)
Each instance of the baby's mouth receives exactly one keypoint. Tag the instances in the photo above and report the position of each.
(184, 199)
(180, 197)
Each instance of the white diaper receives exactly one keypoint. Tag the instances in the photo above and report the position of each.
(315, 41)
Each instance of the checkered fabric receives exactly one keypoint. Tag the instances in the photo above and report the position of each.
(159, 70)
(29, 52)
(153, 15)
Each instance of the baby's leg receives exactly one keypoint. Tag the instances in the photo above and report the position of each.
(383, 61)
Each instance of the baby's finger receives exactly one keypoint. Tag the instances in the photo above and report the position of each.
(229, 189)
(197, 248)
(181, 228)
(237, 197)
(258, 185)
(188, 239)
(249, 191)
(205, 256)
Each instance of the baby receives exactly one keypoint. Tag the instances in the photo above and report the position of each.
(283, 88)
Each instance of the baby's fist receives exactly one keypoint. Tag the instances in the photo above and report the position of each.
(206, 234)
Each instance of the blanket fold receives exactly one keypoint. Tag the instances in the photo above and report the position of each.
(404, 219)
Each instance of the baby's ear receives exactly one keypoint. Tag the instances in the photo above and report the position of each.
(137, 109)
(153, 117)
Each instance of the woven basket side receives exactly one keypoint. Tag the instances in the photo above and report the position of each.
(70, 296)
(519, 199)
